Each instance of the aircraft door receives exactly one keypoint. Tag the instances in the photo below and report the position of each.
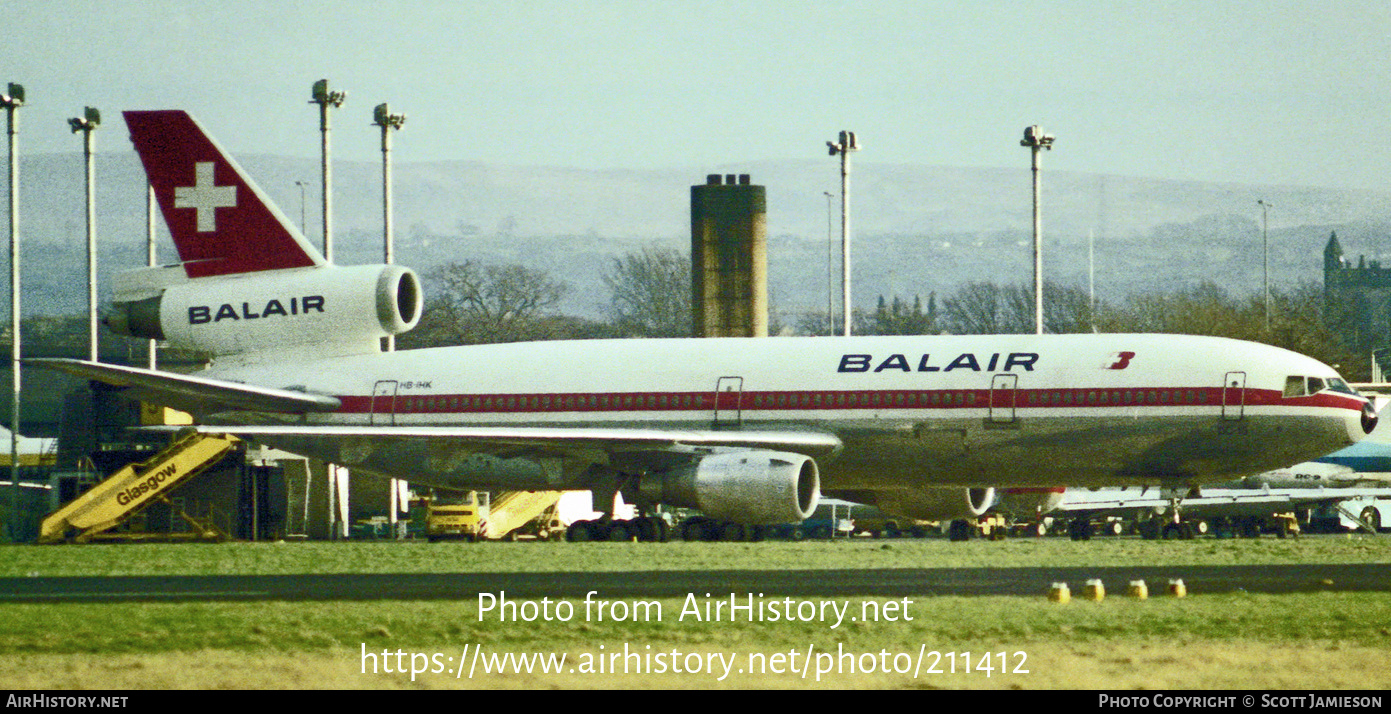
(729, 402)
(1234, 396)
(383, 403)
(1002, 393)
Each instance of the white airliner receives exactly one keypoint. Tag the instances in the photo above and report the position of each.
(749, 431)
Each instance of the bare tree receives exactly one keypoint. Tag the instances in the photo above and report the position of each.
(651, 293)
(471, 303)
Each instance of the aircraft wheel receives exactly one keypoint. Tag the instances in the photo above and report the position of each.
(646, 529)
(959, 530)
(1372, 517)
(798, 533)
(618, 532)
(732, 533)
(1172, 531)
(577, 532)
(693, 529)
(1079, 529)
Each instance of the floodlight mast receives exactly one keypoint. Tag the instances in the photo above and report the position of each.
(382, 117)
(12, 100)
(1035, 139)
(830, 266)
(1265, 245)
(843, 148)
(325, 99)
(151, 255)
(86, 124)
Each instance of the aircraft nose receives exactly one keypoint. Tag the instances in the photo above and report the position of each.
(1369, 418)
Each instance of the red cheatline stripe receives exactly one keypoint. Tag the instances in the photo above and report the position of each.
(832, 400)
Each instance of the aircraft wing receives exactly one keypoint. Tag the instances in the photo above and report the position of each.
(432, 453)
(190, 392)
(531, 441)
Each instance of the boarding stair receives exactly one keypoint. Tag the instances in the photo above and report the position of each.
(513, 509)
(120, 496)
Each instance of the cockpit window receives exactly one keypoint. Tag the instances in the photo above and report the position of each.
(1339, 385)
(1301, 386)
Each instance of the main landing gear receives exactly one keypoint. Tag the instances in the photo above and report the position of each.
(648, 529)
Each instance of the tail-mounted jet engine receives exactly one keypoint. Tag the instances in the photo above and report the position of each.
(269, 309)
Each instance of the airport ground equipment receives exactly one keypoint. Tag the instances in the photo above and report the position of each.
(512, 510)
(123, 494)
(466, 518)
(1369, 511)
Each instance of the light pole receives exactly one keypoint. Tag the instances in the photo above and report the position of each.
(1035, 139)
(321, 96)
(87, 123)
(1265, 249)
(830, 265)
(846, 145)
(12, 100)
(325, 99)
(302, 226)
(382, 117)
(151, 255)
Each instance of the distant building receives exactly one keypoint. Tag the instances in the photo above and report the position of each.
(1357, 300)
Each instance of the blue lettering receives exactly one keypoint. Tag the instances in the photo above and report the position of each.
(965, 361)
(854, 363)
(894, 362)
(1021, 359)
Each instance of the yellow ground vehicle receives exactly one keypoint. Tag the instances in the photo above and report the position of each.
(465, 518)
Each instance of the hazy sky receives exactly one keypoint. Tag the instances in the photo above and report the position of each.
(1253, 92)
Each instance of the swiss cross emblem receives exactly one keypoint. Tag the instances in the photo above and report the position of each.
(203, 196)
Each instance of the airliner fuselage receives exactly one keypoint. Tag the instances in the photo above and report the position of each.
(910, 411)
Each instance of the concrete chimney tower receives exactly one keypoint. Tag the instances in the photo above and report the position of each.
(729, 257)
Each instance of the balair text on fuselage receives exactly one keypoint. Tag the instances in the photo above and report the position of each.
(200, 314)
(901, 363)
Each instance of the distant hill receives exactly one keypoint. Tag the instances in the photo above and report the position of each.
(916, 228)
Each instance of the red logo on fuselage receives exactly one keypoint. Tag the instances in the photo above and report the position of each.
(1120, 360)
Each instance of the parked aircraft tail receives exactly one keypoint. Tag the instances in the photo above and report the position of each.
(247, 282)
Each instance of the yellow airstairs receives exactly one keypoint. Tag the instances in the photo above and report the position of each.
(124, 493)
(513, 509)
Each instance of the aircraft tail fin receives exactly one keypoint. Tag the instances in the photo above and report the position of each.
(221, 222)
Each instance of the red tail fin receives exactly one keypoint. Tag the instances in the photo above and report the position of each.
(220, 221)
